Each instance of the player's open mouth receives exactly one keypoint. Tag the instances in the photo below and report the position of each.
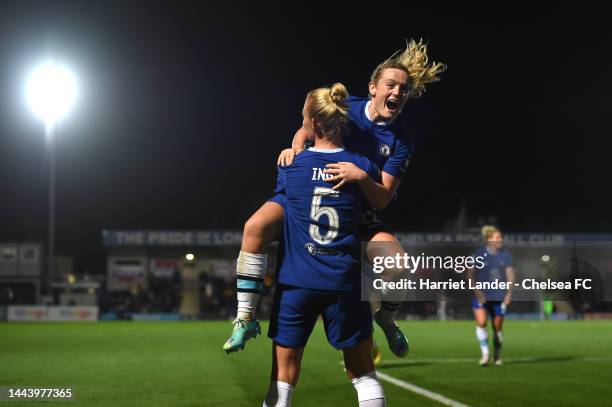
(392, 105)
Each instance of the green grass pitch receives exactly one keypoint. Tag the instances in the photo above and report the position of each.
(181, 364)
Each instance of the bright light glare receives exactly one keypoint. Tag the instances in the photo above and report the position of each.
(51, 92)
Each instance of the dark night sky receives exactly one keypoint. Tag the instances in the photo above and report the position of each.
(183, 110)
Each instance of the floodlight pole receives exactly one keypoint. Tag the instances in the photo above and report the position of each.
(50, 134)
(51, 91)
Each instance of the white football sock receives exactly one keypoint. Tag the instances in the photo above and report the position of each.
(369, 391)
(481, 335)
(250, 271)
(279, 395)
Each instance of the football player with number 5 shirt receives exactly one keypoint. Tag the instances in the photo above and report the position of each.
(320, 273)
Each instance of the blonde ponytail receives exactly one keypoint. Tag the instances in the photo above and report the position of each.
(328, 106)
(415, 62)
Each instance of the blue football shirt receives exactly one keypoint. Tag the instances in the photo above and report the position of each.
(494, 270)
(321, 225)
(386, 144)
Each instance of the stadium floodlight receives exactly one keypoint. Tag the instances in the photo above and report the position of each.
(51, 90)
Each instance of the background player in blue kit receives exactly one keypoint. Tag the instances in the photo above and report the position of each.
(376, 135)
(497, 267)
(320, 271)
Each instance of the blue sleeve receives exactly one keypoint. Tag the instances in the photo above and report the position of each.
(280, 180)
(508, 259)
(350, 99)
(373, 171)
(368, 166)
(397, 163)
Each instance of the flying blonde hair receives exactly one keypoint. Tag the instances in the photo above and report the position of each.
(328, 106)
(415, 62)
(487, 231)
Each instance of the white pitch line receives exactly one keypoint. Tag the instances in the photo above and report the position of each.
(445, 400)
(419, 390)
